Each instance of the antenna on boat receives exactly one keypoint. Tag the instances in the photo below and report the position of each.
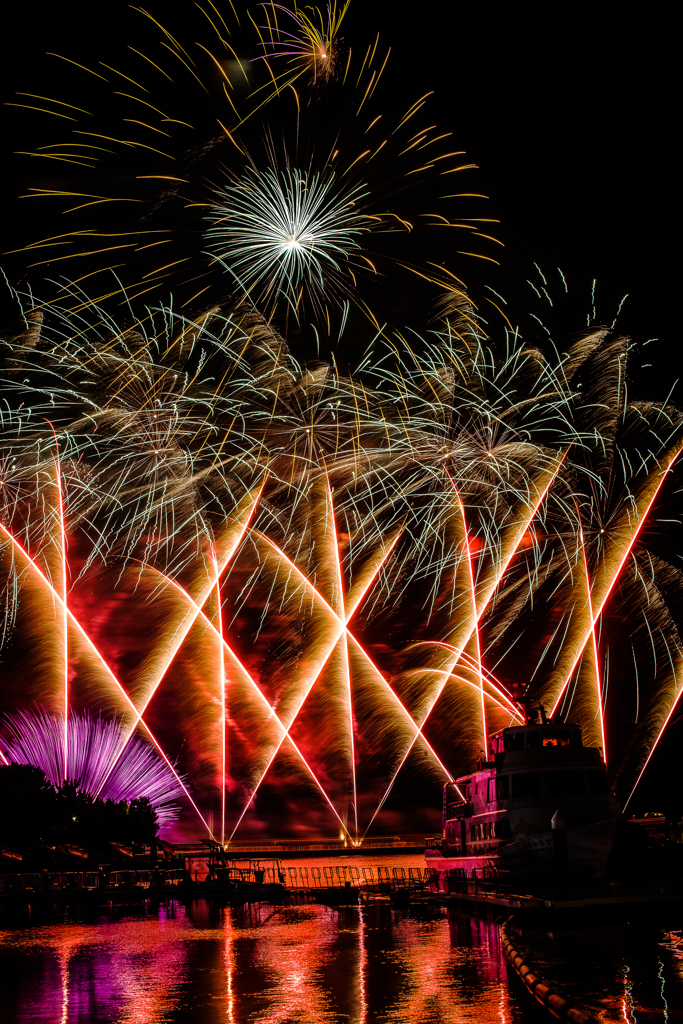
(520, 694)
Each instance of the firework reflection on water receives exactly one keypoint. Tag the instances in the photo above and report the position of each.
(318, 965)
(305, 963)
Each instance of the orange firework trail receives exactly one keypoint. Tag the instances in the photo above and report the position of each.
(615, 557)
(479, 606)
(107, 670)
(226, 650)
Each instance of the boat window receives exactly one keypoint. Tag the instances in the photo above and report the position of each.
(565, 739)
(454, 809)
(514, 741)
(551, 739)
(503, 787)
(492, 791)
(597, 783)
(526, 786)
(564, 786)
(533, 739)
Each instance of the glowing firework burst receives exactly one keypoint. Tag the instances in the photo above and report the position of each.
(283, 230)
(94, 746)
(349, 192)
(313, 47)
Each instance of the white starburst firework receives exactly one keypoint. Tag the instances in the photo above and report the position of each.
(277, 233)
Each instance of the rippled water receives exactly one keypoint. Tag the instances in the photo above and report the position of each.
(303, 963)
(197, 962)
(630, 971)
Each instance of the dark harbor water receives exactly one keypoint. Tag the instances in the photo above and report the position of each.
(303, 963)
(197, 962)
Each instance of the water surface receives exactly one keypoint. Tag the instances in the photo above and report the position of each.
(309, 964)
(192, 961)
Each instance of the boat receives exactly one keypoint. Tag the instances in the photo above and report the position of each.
(243, 880)
(538, 811)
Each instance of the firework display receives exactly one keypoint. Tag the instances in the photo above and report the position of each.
(254, 157)
(279, 581)
(217, 547)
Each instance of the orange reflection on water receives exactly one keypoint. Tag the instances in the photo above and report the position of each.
(262, 965)
(300, 963)
(126, 971)
(428, 971)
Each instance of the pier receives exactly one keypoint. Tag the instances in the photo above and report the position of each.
(338, 884)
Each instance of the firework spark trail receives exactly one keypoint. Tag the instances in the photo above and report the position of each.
(605, 577)
(473, 612)
(400, 706)
(244, 513)
(222, 685)
(101, 660)
(342, 616)
(509, 545)
(504, 704)
(489, 678)
(250, 681)
(325, 653)
(59, 571)
(64, 587)
(655, 744)
(594, 650)
(352, 602)
(507, 706)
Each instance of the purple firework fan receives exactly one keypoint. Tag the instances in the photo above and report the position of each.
(100, 761)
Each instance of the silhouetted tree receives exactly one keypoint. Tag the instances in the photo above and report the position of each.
(27, 806)
(33, 812)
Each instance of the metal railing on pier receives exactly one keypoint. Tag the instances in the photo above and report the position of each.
(367, 878)
(60, 881)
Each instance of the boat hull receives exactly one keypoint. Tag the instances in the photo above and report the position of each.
(533, 859)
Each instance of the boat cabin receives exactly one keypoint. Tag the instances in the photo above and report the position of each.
(533, 771)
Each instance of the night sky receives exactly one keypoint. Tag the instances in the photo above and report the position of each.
(570, 121)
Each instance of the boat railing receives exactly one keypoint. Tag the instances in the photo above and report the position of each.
(489, 882)
(460, 809)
